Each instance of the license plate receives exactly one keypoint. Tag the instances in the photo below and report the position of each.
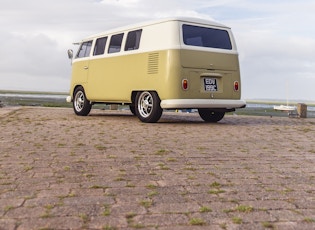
(210, 84)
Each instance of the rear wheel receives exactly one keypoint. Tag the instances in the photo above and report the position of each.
(209, 115)
(81, 105)
(148, 107)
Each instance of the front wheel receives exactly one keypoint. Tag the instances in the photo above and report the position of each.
(81, 104)
(209, 115)
(148, 107)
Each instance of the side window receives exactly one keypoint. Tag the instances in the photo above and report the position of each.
(115, 43)
(99, 48)
(133, 40)
(84, 50)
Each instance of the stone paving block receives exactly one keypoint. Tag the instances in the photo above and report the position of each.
(41, 201)
(185, 207)
(290, 215)
(87, 200)
(153, 220)
(101, 222)
(50, 223)
(120, 209)
(8, 224)
(25, 212)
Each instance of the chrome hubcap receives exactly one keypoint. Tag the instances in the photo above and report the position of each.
(79, 101)
(145, 104)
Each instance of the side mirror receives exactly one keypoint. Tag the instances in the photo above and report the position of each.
(70, 54)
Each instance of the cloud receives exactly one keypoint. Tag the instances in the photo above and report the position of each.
(123, 3)
(276, 46)
(275, 38)
(33, 62)
(269, 60)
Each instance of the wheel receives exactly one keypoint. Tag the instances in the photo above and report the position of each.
(148, 107)
(81, 105)
(210, 116)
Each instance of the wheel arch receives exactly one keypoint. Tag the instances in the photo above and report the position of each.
(75, 88)
(134, 94)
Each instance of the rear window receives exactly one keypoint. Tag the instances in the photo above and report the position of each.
(206, 37)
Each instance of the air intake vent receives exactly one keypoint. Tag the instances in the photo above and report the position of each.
(153, 63)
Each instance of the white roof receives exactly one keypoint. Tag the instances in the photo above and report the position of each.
(158, 21)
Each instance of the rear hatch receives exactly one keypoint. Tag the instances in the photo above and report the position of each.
(210, 61)
(207, 47)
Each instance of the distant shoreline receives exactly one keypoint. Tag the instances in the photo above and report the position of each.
(279, 102)
(33, 98)
(249, 101)
(58, 99)
(32, 92)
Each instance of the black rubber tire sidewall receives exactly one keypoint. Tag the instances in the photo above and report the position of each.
(209, 115)
(86, 104)
(156, 111)
(132, 108)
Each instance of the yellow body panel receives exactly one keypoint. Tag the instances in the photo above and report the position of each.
(80, 72)
(113, 79)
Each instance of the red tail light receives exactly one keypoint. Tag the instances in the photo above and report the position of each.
(236, 86)
(185, 84)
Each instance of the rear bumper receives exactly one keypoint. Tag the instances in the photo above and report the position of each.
(202, 104)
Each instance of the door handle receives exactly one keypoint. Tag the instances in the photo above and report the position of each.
(85, 67)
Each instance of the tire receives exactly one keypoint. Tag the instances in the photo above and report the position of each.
(81, 105)
(209, 115)
(132, 109)
(148, 107)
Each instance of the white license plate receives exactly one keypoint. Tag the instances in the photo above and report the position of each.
(210, 84)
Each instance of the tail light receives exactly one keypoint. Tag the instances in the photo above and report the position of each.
(236, 86)
(185, 84)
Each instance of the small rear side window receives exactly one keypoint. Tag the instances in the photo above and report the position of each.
(100, 44)
(84, 50)
(133, 40)
(115, 43)
(206, 37)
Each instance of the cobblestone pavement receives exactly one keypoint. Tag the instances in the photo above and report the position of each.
(110, 171)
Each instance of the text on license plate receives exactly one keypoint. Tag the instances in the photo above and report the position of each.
(210, 84)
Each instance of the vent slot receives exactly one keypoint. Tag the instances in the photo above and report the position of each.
(153, 63)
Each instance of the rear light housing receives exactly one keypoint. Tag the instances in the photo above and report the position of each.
(236, 86)
(185, 84)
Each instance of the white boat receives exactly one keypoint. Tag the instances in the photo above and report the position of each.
(285, 108)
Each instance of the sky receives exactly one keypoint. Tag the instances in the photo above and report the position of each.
(275, 39)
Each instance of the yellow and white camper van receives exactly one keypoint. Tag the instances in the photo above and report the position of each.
(177, 63)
